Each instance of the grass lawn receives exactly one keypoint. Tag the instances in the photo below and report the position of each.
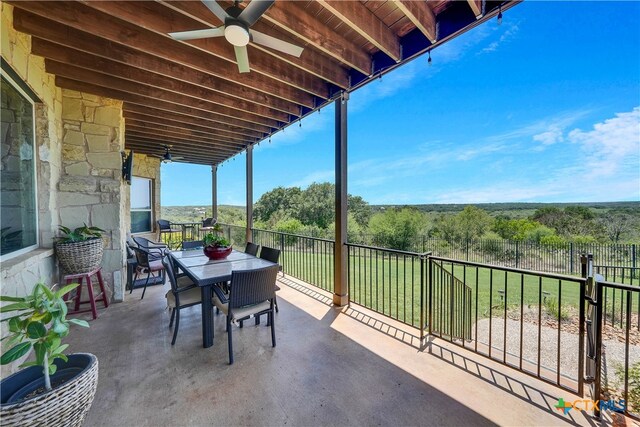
(391, 283)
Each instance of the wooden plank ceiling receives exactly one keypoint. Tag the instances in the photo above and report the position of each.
(190, 95)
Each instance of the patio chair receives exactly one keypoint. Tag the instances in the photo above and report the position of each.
(192, 244)
(252, 294)
(179, 296)
(164, 227)
(146, 264)
(251, 249)
(273, 255)
(156, 250)
(207, 225)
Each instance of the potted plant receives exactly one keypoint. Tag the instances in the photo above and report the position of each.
(80, 250)
(54, 389)
(216, 246)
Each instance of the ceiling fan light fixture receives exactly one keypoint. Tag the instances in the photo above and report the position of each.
(236, 34)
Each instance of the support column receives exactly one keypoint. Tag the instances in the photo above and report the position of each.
(340, 280)
(214, 192)
(249, 192)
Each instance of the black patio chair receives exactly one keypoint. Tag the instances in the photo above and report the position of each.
(207, 224)
(164, 227)
(251, 249)
(273, 255)
(252, 294)
(179, 296)
(155, 250)
(146, 264)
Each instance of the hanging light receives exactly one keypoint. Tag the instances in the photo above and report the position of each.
(500, 15)
(429, 63)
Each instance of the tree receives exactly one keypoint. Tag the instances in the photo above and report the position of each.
(317, 205)
(398, 228)
(616, 225)
(280, 199)
(473, 222)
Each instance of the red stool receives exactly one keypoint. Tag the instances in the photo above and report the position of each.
(102, 296)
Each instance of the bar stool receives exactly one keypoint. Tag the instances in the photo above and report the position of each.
(82, 278)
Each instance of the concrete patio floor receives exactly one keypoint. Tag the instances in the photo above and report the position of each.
(331, 366)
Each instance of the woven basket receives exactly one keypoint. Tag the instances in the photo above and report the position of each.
(66, 405)
(80, 257)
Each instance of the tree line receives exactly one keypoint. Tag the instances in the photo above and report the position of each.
(310, 212)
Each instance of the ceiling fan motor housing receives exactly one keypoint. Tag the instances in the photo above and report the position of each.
(236, 32)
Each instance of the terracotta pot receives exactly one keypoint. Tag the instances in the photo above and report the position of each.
(217, 252)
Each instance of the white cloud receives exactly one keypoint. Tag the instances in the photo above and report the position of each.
(611, 145)
(552, 135)
(509, 32)
(315, 176)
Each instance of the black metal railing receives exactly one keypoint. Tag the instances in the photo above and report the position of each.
(388, 281)
(562, 257)
(306, 258)
(450, 316)
(615, 372)
(517, 317)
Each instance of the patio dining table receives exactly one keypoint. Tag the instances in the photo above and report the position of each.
(205, 273)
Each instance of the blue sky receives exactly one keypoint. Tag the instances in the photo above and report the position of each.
(543, 108)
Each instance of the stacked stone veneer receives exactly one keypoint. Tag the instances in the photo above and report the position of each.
(91, 187)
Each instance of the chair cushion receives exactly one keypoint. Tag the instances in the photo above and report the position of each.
(156, 265)
(183, 281)
(192, 296)
(242, 312)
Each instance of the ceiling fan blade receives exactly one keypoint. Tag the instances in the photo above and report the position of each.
(176, 157)
(243, 58)
(216, 9)
(198, 34)
(277, 44)
(254, 11)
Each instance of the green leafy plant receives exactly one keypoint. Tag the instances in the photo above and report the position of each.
(80, 234)
(633, 395)
(40, 323)
(551, 307)
(211, 239)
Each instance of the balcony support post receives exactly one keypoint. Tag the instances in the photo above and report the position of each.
(249, 193)
(214, 192)
(340, 259)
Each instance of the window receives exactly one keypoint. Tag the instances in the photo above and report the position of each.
(141, 202)
(18, 216)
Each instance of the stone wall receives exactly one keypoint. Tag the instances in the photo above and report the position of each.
(91, 186)
(19, 274)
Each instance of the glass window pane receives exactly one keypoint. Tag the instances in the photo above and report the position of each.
(140, 193)
(17, 178)
(140, 221)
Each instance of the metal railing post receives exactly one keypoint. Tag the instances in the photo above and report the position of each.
(422, 284)
(597, 387)
(571, 257)
(282, 250)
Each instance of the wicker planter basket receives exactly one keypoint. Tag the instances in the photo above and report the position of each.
(66, 405)
(80, 257)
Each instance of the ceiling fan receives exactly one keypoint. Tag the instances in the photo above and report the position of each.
(236, 30)
(167, 157)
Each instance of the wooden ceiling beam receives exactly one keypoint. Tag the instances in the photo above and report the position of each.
(359, 18)
(94, 22)
(298, 23)
(151, 149)
(310, 74)
(182, 147)
(155, 129)
(476, 7)
(111, 82)
(86, 66)
(421, 15)
(185, 127)
(158, 68)
(260, 91)
(143, 101)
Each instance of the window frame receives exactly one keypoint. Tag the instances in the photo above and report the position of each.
(150, 210)
(29, 98)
